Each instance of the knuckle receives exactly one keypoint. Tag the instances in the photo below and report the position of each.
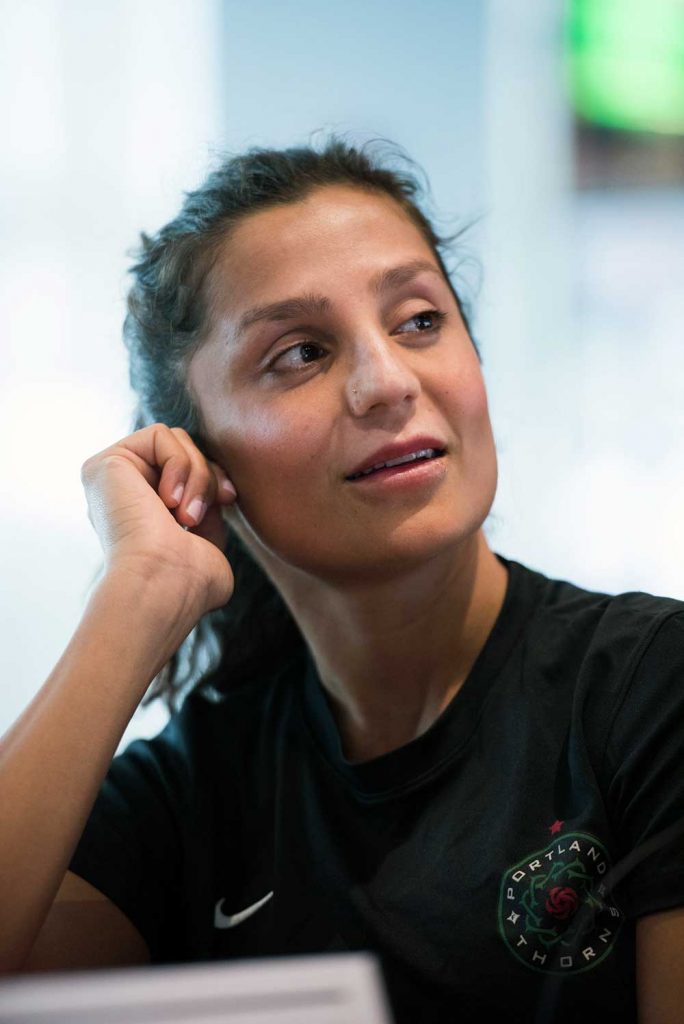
(181, 432)
(149, 430)
(157, 429)
(88, 470)
(182, 463)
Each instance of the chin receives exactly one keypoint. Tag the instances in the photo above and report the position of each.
(354, 548)
(350, 559)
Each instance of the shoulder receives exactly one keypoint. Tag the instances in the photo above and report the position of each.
(649, 706)
(215, 696)
(623, 658)
(602, 657)
(611, 668)
(221, 713)
(581, 606)
(213, 725)
(612, 630)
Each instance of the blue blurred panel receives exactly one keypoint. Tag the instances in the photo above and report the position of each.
(407, 70)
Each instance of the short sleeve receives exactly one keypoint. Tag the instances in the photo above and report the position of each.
(131, 847)
(645, 751)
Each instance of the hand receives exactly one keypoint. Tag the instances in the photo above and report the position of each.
(131, 488)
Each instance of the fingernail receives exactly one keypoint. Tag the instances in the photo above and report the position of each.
(177, 493)
(228, 488)
(196, 509)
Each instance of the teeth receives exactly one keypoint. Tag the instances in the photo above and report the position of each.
(424, 453)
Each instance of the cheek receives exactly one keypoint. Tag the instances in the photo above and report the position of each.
(464, 401)
(477, 408)
(273, 452)
(269, 453)
(250, 436)
(275, 462)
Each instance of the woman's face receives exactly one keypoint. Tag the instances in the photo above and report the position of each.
(295, 399)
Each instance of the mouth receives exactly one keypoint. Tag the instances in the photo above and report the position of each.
(423, 455)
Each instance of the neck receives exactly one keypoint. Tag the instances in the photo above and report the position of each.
(392, 655)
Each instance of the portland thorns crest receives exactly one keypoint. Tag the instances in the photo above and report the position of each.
(554, 913)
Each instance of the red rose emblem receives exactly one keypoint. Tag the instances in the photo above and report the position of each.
(562, 902)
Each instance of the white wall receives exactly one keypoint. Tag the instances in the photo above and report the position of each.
(581, 319)
(626, 486)
(107, 111)
(407, 70)
(525, 312)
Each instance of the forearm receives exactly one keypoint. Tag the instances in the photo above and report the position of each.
(55, 756)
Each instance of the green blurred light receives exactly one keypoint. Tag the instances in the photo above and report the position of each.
(625, 62)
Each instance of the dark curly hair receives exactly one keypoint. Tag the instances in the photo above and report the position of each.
(166, 322)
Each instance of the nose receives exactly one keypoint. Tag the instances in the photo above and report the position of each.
(380, 376)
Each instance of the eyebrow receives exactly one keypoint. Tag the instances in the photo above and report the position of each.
(311, 305)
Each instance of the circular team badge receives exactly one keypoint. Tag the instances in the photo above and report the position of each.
(554, 914)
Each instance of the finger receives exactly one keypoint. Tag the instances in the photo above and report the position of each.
(172, 464)
(226, 492)
(157, 455)
(212, 528)
(200, 485)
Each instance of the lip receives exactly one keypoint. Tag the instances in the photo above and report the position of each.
(410, 479)
(397, 451)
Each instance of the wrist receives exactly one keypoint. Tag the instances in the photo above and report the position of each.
(153, 606)
(161, 586)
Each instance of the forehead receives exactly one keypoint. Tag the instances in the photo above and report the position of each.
(337, 232)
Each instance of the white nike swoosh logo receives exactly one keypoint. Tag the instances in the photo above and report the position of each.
(222, 920)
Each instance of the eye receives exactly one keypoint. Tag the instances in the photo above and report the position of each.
(303, 353)
(435, 316)
(308, 351)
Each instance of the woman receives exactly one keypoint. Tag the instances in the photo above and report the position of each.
(405, 742)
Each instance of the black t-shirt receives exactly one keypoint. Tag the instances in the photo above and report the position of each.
(496, 863)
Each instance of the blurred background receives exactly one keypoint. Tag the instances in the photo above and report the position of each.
(555, 129)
